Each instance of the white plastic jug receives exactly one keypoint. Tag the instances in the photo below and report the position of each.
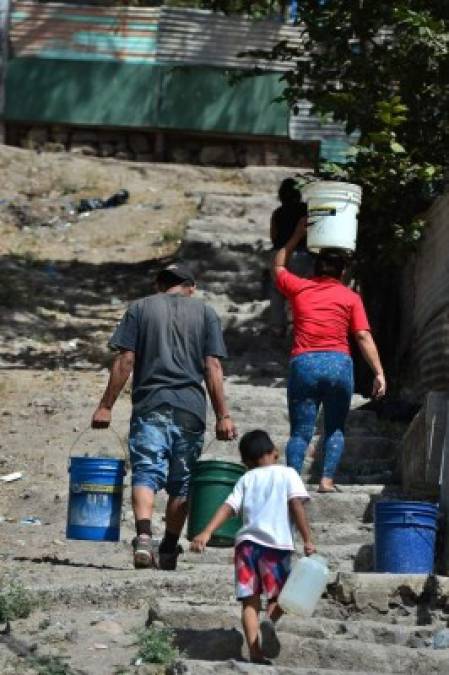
(304, 586)
(332, 209)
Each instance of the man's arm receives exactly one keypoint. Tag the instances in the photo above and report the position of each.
(121, 369)
(369, 352)
(225, 428)
(282, 256)
(299, 517)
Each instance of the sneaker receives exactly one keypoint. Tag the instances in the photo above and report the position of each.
(260, 661)
(271, 646)
(168, 561)
(143, 552)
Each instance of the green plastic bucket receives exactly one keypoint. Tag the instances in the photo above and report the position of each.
(212, 482)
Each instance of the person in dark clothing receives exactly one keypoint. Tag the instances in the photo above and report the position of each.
(284, 221)
(171, 342)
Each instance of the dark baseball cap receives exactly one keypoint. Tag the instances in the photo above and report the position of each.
(176, 273)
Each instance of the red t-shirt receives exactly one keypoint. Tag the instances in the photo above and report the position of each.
(324, 312)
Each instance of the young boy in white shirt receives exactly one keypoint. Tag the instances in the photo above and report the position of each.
(269, 498)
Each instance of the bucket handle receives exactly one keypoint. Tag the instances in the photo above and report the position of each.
(84, 431)
(215, 440)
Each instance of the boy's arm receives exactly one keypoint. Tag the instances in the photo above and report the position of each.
(299, 516)
(221, 516)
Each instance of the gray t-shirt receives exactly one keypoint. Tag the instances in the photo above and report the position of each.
(171, 336)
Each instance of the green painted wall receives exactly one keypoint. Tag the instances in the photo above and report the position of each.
(142, 95)
(203, 99)
(81, 92)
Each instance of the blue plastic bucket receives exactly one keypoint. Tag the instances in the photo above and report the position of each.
(405, 537)
(95, 498)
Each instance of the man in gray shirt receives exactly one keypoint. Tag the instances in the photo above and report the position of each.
(172, 343)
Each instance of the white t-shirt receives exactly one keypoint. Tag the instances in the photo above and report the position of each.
(261, 497)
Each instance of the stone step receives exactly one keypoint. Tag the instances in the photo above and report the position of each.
(340, 557)
(416, 600)
(231, 667)
(345, 652)
(347, 506)
(258, 207)
(180, 615)
(237, 234)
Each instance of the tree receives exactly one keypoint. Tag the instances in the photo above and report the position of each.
(257, 8)
(382, 69)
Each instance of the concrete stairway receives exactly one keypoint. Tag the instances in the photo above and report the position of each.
(366, 623)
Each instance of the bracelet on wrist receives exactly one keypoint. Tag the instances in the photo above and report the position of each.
(220, 418)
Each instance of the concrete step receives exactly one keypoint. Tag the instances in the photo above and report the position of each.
(180, 615)
(235, 233)
(340, 557)
(231, 667)
(346, 506)
(345, 652)
(259, 207)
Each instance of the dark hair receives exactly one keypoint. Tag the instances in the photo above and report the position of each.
(289, 191)
(331, 263)
(254, 445)
(167, 279)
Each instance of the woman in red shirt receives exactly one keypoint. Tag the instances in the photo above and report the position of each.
(325, 313)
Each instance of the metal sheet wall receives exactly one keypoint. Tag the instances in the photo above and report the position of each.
(84, 32)
(429, 336)
(334, 141)
(193, 36)
(166, 36)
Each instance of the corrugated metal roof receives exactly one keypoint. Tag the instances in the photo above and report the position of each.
(168, 35)
(191, 36)
(165, 36)
(77, 32)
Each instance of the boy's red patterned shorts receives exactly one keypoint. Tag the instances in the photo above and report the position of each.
(260, 570)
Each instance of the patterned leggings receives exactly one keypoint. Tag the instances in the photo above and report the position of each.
(314, 378)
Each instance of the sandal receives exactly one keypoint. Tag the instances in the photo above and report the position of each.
(324, 491)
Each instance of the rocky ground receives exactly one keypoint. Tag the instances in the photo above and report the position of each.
(65, 281)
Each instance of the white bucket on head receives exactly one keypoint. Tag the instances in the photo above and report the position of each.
(332, 209)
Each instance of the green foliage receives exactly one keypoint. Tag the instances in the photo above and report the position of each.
(156, 645)
(383, 70)
(396, 189)
(257, 8)
(15, 603)
(50, 665)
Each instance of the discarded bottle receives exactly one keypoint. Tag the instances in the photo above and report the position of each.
(304, 586)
